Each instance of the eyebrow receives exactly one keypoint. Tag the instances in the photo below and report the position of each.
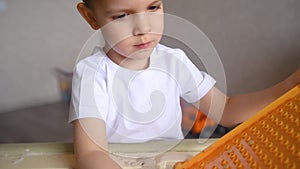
(111, 11)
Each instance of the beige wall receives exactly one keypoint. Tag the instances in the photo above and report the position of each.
(258, 43)
(35, 37)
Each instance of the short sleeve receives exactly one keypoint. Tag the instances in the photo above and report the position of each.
(88, 87)
(194, 83)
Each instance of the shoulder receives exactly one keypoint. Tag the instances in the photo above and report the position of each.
(165, 50)
(90, 64)
(168, 55)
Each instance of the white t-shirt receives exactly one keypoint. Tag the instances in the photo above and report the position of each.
(137, 106)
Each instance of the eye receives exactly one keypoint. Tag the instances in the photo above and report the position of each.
(120, 16)
(154, 7)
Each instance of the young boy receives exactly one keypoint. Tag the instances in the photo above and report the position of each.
(112, 88)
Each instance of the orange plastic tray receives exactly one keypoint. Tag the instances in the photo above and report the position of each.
(270, 139)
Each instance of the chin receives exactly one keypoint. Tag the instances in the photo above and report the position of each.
(141, 54)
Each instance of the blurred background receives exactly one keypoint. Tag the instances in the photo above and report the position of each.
(258, 42)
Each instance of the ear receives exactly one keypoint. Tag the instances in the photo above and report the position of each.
(88, 15)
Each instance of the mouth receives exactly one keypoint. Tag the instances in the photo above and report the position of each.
(143, 45)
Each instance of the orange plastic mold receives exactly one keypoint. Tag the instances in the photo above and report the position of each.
(270, 139)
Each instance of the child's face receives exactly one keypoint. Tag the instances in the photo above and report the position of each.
(130, 26)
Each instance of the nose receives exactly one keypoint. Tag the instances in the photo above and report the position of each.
(141, 24)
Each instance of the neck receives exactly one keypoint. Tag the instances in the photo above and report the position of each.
(139, 64)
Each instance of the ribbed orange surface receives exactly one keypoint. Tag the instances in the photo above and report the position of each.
(270, 139)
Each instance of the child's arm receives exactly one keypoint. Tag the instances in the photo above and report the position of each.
(239, 108)
(90, 145)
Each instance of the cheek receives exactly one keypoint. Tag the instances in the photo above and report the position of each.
(156, 21)
(158, 37)
(123, 47)
(116, 31)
